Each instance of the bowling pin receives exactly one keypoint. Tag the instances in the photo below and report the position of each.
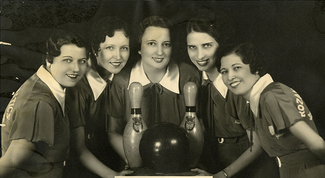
(192, 125)
(134, 128)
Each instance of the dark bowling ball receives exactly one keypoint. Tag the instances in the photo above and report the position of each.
(165, 148)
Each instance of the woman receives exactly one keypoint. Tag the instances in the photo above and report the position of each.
(89, 99)
(162, 78)
(283, 122)
(35, 128)
(227, 149)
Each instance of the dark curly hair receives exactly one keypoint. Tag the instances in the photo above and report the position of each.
(216, 24)
(59, 38)
(106, 27)
(248, 53)
(154, 21)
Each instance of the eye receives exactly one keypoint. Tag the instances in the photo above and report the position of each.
(223, 72)
(191, 47)
(208, 45)
(67, 60)
(110, 47)
(125, 48)
(167, 44)
(151, 43)
(82, 61)
(236, 68)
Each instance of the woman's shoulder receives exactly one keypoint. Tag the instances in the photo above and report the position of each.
(184, 67)
(279, 92)
(277, 88)
(122, 78)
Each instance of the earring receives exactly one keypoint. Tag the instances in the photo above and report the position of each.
(256, 73)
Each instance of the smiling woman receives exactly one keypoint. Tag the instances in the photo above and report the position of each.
(284, 124)
(35, 127)
(161, 77)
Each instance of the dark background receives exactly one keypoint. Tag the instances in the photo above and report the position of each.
(290, 33)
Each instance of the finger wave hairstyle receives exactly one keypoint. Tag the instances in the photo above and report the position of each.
(248, 53)
(60, 38)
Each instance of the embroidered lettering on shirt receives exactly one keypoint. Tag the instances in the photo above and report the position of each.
(300, 104)
(11, 104)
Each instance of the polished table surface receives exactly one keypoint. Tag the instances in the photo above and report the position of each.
(144, 171)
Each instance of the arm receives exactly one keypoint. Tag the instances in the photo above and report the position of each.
(244, 160)
(115, 136)
(310, 138)
(88, 159)
(17, 154)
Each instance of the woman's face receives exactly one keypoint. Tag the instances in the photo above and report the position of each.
(201, 49)
(68, 68)
(114, 52)
(236, 75)
(155, 47)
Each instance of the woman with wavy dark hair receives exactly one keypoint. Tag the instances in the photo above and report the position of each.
(283, 122)
(228, 150)
(35, 126)
(161, 77)
(88, 102)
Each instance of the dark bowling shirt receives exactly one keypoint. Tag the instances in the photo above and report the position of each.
(278, 107)
(36, 113)
(161, 102)
(88, 103)
(224, 114)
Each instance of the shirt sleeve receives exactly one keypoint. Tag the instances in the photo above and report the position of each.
(240, 110)
(34, 122)
(282, 107)
(117, 97)
(76, 106)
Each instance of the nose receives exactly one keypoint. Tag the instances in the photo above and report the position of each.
(200, 54)
(231, 75)
(159, 50)
(75, 66)
(118, 54)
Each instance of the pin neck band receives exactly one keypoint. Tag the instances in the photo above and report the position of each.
(190, 108)
(135, 110)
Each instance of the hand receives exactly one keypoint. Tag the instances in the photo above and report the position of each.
(122, 173)
(219, 175)
(201, 172)
(126, 167)
(125, 172)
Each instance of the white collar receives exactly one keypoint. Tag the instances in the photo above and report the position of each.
(96, 82)
(170, 80)
(218, 83)
(57, 90)
(257, 89)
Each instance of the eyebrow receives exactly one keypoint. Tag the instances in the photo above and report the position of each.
(236, 64)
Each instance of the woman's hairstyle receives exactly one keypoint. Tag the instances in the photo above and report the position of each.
(154, 21)
(216, 24)
(106, 26)
(60, 38)
(248, 53)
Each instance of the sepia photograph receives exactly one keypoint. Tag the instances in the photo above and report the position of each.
(156, 88)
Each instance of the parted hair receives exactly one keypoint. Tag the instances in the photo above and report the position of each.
(59, 38)
(248, 53)
(216, 24)
(154, 21)
(106, 26)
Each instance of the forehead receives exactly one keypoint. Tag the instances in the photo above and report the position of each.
(72, 50)
(156, 33)
(118, 38)
(231, 59)
(199, 38)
